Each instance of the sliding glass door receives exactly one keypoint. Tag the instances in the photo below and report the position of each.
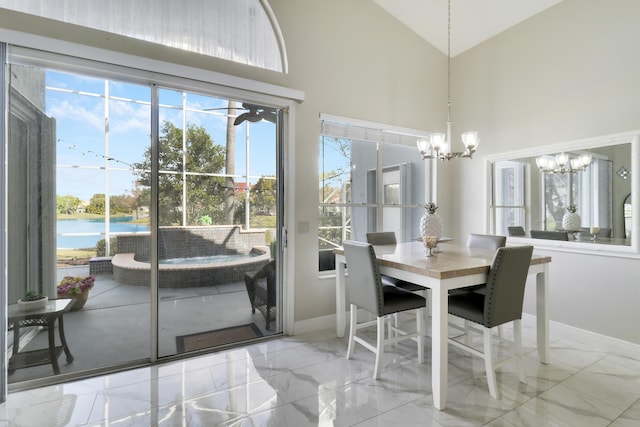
(161, 232)
(217, 216)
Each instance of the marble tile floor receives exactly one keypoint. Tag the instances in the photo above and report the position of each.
(305, 380)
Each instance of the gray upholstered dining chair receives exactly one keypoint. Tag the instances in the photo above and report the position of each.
(486, 241)
(516, 230)
(500, 304)
(389, 238)
(365, 290)
(550, 235)
(482, 241)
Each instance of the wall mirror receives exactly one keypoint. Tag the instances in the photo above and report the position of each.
(534, 188)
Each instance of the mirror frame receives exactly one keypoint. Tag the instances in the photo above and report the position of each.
(632, 137)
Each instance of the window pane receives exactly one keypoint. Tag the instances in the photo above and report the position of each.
(508, 195)
(556, 198)
(335, 170)
(353, 202)
(509, 183)
(507, 217)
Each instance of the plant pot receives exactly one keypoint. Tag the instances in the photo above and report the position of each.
(79, 300)
(34, 305)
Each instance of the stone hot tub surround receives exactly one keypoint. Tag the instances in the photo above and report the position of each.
(131, 265)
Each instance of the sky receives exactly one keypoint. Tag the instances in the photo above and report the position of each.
(77, 104)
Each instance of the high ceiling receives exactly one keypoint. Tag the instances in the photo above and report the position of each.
(472, 21)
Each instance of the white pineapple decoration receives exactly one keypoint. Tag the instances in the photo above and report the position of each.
(571, 220)
(430, 223)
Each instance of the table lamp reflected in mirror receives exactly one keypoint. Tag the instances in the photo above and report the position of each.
(430, 242)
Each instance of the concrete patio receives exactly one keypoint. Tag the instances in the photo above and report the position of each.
(113, 328)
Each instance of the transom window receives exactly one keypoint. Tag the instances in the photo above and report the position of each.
(243, 31)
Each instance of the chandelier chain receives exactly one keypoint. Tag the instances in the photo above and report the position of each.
(449, 61)
(438, 145)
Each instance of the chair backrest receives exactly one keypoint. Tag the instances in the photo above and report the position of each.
(516, 230)
(363, 276)
(550, 235)
(505, 285)
(382, 238)
(486, 241)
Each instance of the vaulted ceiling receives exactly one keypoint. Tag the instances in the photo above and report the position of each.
(472, 21)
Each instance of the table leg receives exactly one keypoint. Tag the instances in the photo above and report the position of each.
(439, 346)
(340, 297)
(16, 342)
(63, 340)
(52, 346)
(542, 313)
(16, 337)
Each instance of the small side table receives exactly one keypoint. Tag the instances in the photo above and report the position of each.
(46, 317)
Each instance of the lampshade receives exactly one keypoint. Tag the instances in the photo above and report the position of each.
(585, 159)
(438, 141)
(562, 159)
(470, 140)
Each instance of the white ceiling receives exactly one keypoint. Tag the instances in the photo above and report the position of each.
(472, 21)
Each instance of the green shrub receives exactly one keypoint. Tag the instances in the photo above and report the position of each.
(101, 247)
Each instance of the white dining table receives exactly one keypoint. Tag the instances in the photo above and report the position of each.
(453, 267)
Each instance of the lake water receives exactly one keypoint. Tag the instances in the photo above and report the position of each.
(95, 227)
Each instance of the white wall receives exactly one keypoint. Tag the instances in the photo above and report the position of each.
(568, 73)
(352, 59)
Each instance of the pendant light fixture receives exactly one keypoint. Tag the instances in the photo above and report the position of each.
(563, 163)
(438, 146)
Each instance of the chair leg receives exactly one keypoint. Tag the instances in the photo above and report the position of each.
(488, 364)
(352, 330)
(517, 348)
(379, 347)
(467, 333)
(500, 335)
(395, 326)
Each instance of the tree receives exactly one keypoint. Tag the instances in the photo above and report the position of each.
(335, 188)
(67, 204)
(263, 196)
(122, 204)
(202, 159)
(230, 166)
(97, 204)
(141, 196)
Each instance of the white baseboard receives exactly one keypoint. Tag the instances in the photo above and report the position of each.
(573, 332)
(315, 324)
(329, 322)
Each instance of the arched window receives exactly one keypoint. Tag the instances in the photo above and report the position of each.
(243, 31)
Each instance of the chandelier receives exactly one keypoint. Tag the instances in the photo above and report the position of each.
(562, 163)
(438, 145)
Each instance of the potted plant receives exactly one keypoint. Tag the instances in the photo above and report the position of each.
(77, 288)
(32, 301)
